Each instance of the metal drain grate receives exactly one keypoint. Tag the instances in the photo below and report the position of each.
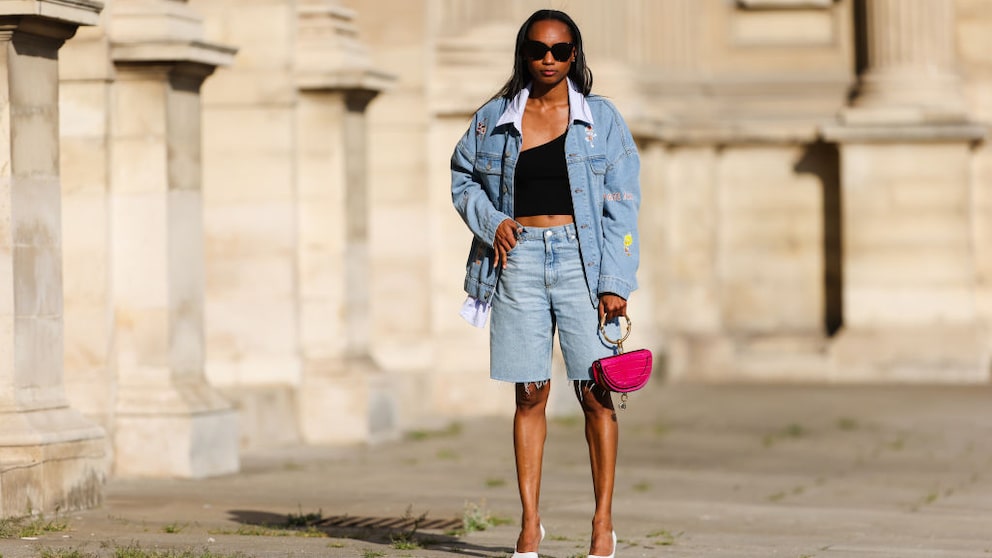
(352, 522)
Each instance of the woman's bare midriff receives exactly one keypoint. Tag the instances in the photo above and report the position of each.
(544, 221)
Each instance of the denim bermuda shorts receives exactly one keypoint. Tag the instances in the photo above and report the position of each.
(543, 289)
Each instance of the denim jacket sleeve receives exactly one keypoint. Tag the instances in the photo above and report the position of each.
(621, 201)
(469, 194)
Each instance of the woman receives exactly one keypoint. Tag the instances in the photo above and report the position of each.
(546, 178)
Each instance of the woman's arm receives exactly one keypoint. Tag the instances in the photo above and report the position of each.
(468, 196)
(622, 199)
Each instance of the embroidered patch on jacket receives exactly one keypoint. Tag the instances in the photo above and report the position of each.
(618, 196)
(590, 135)
(480, 128)
(628, 241)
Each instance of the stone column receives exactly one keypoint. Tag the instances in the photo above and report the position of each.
(50, 456)
(344, 396)
(169, 421)
(909, 275)
(86, 92)
(910, 74)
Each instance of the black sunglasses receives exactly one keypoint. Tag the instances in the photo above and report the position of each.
(536, 50)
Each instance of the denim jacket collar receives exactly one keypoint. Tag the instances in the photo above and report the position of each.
(578, 108)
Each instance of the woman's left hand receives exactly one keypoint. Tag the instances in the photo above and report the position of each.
(612, 306)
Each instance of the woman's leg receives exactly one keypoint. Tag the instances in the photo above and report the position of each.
(601, 435)
(530, 428)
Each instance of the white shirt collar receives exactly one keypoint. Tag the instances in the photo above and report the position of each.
(578, 108)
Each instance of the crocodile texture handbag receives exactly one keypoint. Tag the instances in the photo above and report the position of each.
(622, 372)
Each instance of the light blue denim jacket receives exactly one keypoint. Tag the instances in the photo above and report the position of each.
(603, 169)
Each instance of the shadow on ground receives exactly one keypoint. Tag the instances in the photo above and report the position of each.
(423, 532)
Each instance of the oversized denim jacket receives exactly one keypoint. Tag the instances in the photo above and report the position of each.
(603, 168)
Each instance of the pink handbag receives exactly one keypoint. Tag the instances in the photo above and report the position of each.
(623, 372)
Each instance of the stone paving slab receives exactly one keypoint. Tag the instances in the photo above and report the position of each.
(705, 471)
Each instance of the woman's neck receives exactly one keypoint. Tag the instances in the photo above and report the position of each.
(555, 95)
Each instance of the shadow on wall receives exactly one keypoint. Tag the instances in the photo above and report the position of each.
(822, 160)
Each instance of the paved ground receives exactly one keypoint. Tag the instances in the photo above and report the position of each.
(731, 471)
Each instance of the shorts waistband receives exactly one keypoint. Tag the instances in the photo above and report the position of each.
(533, 233)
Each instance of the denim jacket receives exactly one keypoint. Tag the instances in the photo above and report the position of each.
(603, 168)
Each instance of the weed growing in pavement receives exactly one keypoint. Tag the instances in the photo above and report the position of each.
(779, 496)
(453, 429)
(263, 531)
(792, 431)
(847, 424)
(30, 526)
(664, 537)
(63, 553)
(253, 531)
(408, 540)
(642, 486)
(304, 519)
(174, 527)
(447, 454)
(372, 554)
(476, 518)
(134, 550)
(495, 483)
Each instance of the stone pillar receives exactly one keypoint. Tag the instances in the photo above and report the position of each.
(343, 396)
(86, 92)
(50, 456)
(910, 74)
(909, 275)
(169, 421)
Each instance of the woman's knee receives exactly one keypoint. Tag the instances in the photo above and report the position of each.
(594, 399)
(533, 395)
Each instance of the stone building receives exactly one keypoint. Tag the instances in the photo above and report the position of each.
(234, 214)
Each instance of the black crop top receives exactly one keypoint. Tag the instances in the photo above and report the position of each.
(542, 181)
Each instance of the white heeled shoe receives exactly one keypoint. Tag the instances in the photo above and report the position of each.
(528, 554)
(612, 554)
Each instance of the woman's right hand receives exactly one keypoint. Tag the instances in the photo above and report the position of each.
(506, 239)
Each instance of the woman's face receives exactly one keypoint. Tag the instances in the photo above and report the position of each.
(548, 69)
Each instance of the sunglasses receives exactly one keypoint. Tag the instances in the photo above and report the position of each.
(536, 50)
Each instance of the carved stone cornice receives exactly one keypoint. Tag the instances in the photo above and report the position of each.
(329, 54)
(76, 12)
(173, 51)
(157, 31)
(47, 19)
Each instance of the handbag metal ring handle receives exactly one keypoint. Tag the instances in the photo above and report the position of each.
(602, 328)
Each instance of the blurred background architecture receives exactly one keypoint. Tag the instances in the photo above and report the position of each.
(234, 215)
